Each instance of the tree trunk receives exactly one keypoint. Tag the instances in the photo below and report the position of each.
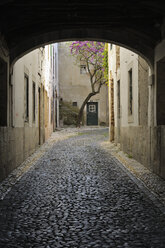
(80, 115)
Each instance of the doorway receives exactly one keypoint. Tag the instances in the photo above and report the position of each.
(92, 113)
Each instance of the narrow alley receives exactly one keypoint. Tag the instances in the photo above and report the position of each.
(82, 124)
(77, 195)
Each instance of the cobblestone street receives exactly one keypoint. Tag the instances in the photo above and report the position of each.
(77, 195)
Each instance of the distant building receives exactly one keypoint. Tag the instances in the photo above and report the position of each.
(74, 85)
(51, 88)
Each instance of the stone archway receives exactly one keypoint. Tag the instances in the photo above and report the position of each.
(28, 25)
(126, 38)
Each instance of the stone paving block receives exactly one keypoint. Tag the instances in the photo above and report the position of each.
(77, 195)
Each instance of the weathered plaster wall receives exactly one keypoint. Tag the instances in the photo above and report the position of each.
(162, 147)
(134, 141)
(158, 91)
(112, 50)
(128, 60)
(20, 138)
(134, 136)
(16, 144)
(157, 162)
(146, 145)
(142, 139)
(26, 65)
(143, 74)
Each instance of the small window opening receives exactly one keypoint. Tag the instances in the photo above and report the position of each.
(83, 69)
(74, 104)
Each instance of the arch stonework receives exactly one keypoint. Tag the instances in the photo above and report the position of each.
(137, 25)
(126, 38)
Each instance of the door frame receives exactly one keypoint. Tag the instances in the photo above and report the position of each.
(87, 113)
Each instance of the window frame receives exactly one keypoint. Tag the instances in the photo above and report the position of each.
(83, 69)
(130, 95)
(92, 108)
(26, 84)
(74, 104)
(34, 101)
(118, 99)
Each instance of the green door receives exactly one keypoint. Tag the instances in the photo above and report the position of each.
(92, 113)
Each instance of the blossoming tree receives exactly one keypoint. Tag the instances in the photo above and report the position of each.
(95, 56)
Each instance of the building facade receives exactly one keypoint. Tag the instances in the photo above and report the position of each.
(129, 75)
(56, 91)
(30, 102)
(74, 85)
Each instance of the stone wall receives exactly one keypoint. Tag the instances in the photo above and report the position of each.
(134, 141)
(139, 139)
(162, 158)
(146, 145)
(20, 134)
(158, 150)
(16, 144)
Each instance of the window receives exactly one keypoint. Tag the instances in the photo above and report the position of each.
(74, 104)
(130, 93)
(83, 69)
(34, 102)
(52, 109)
(118, 98)
(92, 108)
(26, 80)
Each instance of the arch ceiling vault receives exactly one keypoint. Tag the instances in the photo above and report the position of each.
(135, 24)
